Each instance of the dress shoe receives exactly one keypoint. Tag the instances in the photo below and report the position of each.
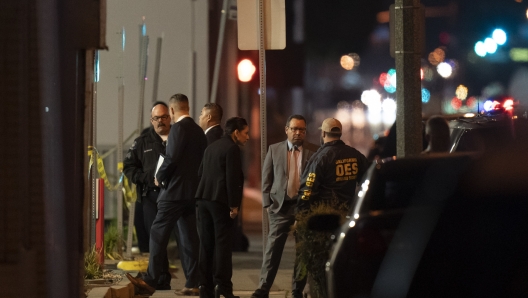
(260, 293)
(143, 287)
(227, 294)
(206, 292)
(297, 294)
(163, 287)
(188, 292)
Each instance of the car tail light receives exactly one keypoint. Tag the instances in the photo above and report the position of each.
(508, 104)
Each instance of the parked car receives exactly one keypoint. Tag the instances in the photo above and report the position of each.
(489, 131)
(438, 226)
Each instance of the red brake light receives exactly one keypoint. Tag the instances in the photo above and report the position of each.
(508, 104)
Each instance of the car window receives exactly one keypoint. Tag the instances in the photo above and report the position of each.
(484, 139)
(394, 192)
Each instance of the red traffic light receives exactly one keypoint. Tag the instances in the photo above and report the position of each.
(246, 69)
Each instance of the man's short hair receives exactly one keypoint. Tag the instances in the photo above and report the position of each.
(295, 116)
(235, 123)
(160, 103)
(180, 102)
(215, 110)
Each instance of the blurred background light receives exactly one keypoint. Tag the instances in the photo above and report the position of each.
(444, 69)
(519, 54)
(389, 111)
(383, 79)
(490, 45)
(426, 95)
(480, 49)
(347, 62)
(461, 92)
(488, 105)
(471, 102)
(370, 97)
(392, 79)
(456, 103)
(389, 88)
(246, 69)
(350, 61)
(499, 36)
(437, 56)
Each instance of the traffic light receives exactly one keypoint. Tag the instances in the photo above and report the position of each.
(246, 69)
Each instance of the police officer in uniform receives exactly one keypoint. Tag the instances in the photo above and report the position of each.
(139, 166)
(333, 171)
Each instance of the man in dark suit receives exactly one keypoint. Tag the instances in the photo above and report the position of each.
(209, 121)
(219, 196)
(283, 166)
(178, 179)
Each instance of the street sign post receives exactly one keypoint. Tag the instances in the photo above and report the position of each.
(262, 26)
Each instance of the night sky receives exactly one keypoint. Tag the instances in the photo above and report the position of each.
(338, 27)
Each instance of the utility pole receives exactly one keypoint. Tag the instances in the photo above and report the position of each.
(408, 36)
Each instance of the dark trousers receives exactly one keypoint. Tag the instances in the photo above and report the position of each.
(168, 214)
(216, 234)
(280, 225)
(188, 248)
(144, 215)
(141, 231)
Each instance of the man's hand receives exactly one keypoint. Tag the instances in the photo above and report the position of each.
(156, 181)
(234, 212)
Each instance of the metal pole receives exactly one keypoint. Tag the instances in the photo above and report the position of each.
(157, 67)
(219, 51)
(408, 49)
(263, 130)
(120, 108)
(94, 144)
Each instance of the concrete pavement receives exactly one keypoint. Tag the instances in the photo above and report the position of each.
(246, 272)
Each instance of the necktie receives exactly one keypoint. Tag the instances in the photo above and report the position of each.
(293, 173)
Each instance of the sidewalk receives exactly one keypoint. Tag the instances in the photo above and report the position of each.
(246, 273)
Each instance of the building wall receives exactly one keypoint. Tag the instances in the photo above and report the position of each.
(184, 26)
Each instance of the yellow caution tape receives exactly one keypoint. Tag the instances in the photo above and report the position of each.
(128, 191)
(140, 265)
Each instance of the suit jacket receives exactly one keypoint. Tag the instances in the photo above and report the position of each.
(275, 173)
(178, 175)
(221, 173)
(215, 133)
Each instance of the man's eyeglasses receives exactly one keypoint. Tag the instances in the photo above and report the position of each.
(299, 129)
(156, 118)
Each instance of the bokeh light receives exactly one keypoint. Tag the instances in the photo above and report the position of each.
(480, 49)
(246, 69)
(389, 88)
(461, 92)
(383, 79)
(429, 73)
(350, 61)
(370, 97)
(471, 102)
(437, 56)
(426, 95)
(444, 69)
(490, 45)
(389, 111)
(456, 103)
(488, 105)
(499, 36)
